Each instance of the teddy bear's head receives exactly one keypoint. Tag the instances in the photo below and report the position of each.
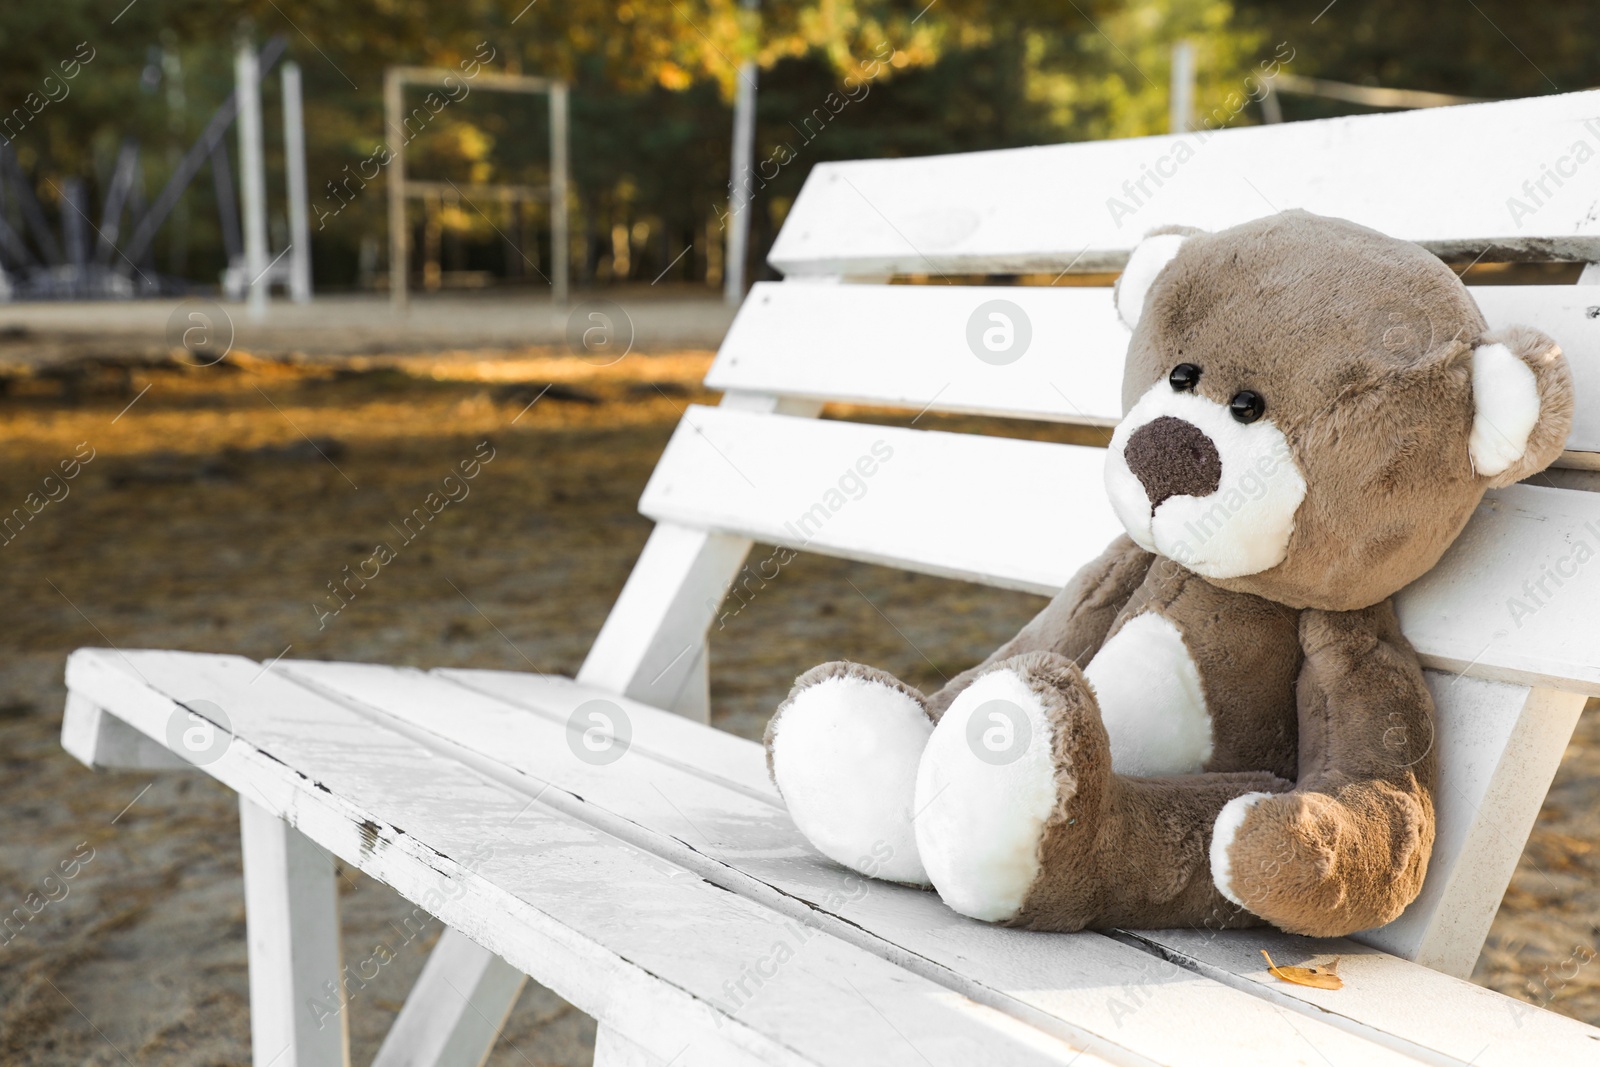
(1312, 410)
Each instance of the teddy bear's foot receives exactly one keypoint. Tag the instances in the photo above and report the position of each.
(843, 750)
(1019, 818)
(1020, 750)
(1323, 864)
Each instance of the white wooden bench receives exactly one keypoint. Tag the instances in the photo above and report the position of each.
(648, 873)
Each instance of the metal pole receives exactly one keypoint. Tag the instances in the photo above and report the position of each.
(32, 214)
(560, 253)
(16, 253)
(294, 161)
(397, 189)
(116, 200)
(252, 177)
(74, 233)
(1182, 99)
(227, 215)
(1271, 110)
(204, 147)
(172, 74)
(740, 178)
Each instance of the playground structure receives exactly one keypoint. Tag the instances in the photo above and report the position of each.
(64, 266)
(52, 265)
(75, 256)
(435, 194)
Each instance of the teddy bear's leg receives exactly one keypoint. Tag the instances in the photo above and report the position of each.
(1348, 849)
(844, 747)
(843, 750)
(1019, 818)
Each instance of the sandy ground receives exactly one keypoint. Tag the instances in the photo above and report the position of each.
(212, 515)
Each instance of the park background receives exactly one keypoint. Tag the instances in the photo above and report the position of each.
(223, 497)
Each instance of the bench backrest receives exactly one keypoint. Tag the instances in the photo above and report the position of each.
(1509, 681)
(1514, 178)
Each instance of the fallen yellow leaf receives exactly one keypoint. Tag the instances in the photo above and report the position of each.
(1315, 977)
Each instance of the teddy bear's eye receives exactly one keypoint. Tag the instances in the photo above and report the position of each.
(1247, 405)
(1184, 377)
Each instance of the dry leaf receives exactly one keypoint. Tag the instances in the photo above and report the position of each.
(1315, 977)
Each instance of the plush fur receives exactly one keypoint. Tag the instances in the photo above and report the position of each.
(853, 740)
(1223, 723)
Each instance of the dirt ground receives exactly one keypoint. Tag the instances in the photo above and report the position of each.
(213, 513)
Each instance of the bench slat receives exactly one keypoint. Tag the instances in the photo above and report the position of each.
(633, 940)
(1482, 1026)
(1148, 1008)
(907, 346)
(1048, 208)
(1025, 515)
(1016, 514)
(650, 799)
(1498, 745)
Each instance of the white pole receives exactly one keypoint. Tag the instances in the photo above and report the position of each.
(560, 254)
(740, 178)
(1182, 100)
(398, 235)
(294, 161)
(252, 178)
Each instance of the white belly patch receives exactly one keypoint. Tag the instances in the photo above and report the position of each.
(1151, 700)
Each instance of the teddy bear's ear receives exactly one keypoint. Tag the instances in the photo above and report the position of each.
(1147, 259)
(1522, 404)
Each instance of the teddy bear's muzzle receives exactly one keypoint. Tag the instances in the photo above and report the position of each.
(1192, 482)
(1173, 457)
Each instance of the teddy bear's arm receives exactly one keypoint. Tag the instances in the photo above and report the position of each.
(1075, 622)
(1348, 848)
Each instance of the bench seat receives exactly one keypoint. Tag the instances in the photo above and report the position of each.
(654, 892)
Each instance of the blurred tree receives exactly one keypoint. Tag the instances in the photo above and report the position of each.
(652, 81)
(1493, 49)
(1114, 80)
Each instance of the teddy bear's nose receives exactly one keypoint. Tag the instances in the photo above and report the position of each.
(1171, 457)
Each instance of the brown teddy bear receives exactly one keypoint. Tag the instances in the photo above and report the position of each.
(1218, 722)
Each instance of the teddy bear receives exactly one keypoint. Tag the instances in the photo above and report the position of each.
(1218, 722)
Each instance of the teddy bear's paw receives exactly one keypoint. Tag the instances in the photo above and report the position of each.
(1309, 864)
(1230, 820)
(1000, 771)
(843, 750)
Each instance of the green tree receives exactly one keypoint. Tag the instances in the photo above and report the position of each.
(1493, 49)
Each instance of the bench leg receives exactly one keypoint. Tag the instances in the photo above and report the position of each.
(291, 904)
(100, 740)
(652, 646)
(611, 1049)
(453, 1015)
